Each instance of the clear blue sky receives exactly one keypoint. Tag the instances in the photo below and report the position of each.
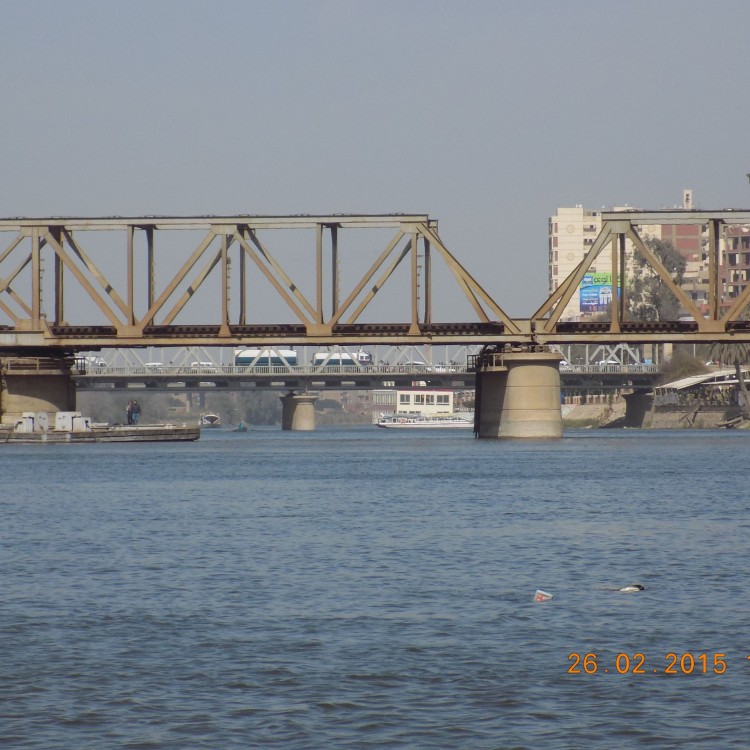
(485, 114)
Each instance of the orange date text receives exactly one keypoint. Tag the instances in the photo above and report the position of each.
(637, 663)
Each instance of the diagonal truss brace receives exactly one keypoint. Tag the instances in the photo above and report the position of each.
(563, 294)
(470, 286)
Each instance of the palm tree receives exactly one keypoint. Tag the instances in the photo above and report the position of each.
(737, 355)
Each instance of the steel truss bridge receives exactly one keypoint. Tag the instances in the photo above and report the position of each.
(76, 284)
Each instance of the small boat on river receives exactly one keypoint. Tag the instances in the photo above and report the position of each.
(210, 420)
(422, 421)
(72, 427)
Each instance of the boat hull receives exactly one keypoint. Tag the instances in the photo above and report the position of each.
(108, 434)
(425, 423)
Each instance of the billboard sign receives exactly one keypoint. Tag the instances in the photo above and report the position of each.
(595, 292)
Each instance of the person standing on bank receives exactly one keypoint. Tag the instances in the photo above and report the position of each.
(129, 412)
(135, 412)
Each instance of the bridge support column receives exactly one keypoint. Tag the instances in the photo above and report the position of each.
(298, 412)
(518, 395)
(34, 384)
(638, 407)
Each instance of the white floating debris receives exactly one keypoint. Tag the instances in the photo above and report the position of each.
(542, 596)
(631, 588)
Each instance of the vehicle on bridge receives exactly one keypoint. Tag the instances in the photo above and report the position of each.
(265, 357)
(342, 359)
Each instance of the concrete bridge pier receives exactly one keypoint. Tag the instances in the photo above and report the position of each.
(518, 395)
(638, 407)
(298, 411)
(34, 384)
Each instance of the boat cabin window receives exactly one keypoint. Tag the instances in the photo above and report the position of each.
(404, 398)
(442, 398)
(419, 399)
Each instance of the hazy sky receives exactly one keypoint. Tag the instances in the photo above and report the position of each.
(485, 114)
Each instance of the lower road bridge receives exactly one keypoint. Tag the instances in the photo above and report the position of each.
(294, 377)
(72, 284)
(208, 376)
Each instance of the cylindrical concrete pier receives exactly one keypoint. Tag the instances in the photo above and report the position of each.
(34, 384)
(298, 411)
(518, 395)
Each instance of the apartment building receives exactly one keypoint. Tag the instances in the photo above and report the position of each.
(572, 232)
(736, 256)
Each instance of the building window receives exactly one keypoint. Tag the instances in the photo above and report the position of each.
(443, 398)
(404, 398)
(430, 399)
(419, 399)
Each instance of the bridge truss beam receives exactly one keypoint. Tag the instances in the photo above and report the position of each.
(148, 298)
(129, 308)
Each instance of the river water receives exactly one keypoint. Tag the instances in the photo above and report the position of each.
(366, 588)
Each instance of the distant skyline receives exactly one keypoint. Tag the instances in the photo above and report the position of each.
(488, 115)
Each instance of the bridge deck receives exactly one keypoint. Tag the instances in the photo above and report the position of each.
(336, 376)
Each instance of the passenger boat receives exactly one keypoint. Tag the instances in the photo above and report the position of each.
(210, 420)
(421, 421)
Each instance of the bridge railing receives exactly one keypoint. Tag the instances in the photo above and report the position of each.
(237, 371)
(240, 370)
(610, 369)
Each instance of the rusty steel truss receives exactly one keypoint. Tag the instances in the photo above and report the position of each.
(48, 266)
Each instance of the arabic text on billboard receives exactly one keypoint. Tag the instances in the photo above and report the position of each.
(595, 292)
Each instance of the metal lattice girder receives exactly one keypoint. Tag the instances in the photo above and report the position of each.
(121, 318)
(135, 308)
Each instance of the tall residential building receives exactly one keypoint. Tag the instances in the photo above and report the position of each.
(737, 259)
(572, 232)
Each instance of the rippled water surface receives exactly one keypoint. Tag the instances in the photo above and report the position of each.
(356, 587)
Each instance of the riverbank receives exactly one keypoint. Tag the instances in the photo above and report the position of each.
(657, 418)
(591, 415)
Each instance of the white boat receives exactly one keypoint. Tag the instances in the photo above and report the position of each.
(422, 421)
(210, 420)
